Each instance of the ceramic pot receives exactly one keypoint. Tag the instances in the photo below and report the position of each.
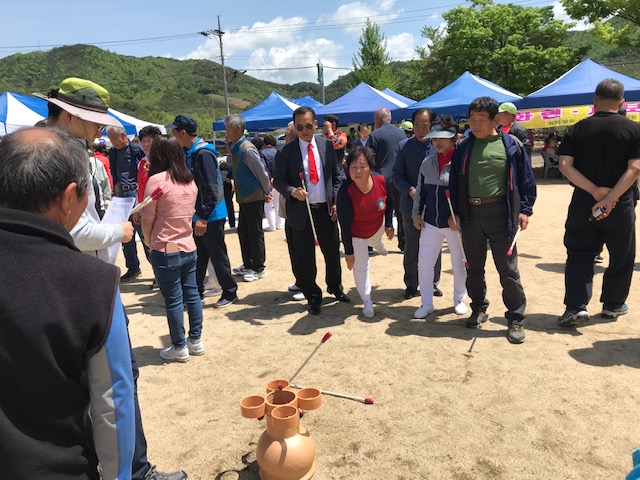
(274, 385)
(253, 406)
(309, 399)
(285, 450)
(280, 397)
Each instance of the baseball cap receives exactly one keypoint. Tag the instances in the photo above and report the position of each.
(507, 107)
(438, 131)
(407, 126)
(186, 123)
(83, 99)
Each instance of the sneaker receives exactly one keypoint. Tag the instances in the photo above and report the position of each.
(381, 249)
(609, 311)
(178, 354)
(130, 275)
(368, 310)
(224, 302)
(252, 276)
(240, 271)
(298, 296)
(572, 318)
(598, 259)
(195, 346)
(423, 311)
(476, 319)
(294, 288)
(154, 474)
(460, 308)
(515, 334)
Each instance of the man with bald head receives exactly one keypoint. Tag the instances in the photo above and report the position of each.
(64, 348)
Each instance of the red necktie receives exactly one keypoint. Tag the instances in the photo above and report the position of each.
(313, 170)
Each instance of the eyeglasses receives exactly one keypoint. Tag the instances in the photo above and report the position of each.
(308, 126)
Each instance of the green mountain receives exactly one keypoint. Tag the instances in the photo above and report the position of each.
(153, 88)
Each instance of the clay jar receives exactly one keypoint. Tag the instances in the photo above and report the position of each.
(285, 450)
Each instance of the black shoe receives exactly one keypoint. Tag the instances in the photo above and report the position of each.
(410, 292)
(154, 284)
(476, 319)
(154, 474)
(314, 309)
(130, 275)
(572, 318)
(224, 302)
(340, 296)
(437, 292)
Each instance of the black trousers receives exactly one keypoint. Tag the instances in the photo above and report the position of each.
(228, 200)
(251, 235)
(304, 255)
(489, 222)
(211, 246)
(584, 240)
(398, 214)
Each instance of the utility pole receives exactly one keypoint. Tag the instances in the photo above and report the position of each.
(321, 78)
(219, 33)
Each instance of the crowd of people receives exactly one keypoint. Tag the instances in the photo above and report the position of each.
(474, 191)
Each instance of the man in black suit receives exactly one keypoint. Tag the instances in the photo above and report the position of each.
(311, 158)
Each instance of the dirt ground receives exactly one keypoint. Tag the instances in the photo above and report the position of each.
(560, 406)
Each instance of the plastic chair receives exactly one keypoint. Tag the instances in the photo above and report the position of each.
(550, 162)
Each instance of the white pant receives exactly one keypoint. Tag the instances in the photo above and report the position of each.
(361, 263)
(431, 239)
(271, 211)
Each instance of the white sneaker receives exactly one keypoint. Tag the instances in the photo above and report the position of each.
(240, 271)
(298, 296)
(252, 276)
(368, 310)
(423, 311)
(178, 354)
(294, 288)
(270, 229)
(195, 346)
(381, 249)
(460, 308)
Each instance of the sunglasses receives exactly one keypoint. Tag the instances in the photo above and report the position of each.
(308, 126)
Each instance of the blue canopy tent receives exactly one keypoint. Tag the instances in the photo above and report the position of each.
(18, 111)
(454, 99)
(577, 87)
(359, 105)
(308, 102)
(273, 112)
(397, 96)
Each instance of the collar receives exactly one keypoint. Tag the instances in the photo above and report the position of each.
(304, 143)
(32, 224)
(195, 145)
(241, 140)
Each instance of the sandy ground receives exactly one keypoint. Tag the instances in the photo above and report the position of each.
(560, 406)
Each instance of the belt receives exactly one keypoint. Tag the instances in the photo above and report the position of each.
(318, 205)
(484, 201)
(124, 187)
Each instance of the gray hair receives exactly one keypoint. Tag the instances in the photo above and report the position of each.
(234, 120)
(383, 114)
(116, 130)
(37, 165)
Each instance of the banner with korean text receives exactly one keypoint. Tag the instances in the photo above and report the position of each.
(565, 116)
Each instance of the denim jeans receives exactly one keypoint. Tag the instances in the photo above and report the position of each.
(176, 276)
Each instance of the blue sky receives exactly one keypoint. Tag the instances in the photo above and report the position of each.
(276, 41)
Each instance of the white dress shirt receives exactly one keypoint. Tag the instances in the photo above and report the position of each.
(317, 192)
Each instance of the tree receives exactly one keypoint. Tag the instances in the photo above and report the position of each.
(519, 48)
(625, 33)
(374, 65)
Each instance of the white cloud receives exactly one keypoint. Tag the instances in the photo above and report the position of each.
(302, 54)
(278, 31)
(402, 47)
(561, 14)
(352, 16)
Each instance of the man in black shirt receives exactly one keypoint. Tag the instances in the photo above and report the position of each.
(601, 157)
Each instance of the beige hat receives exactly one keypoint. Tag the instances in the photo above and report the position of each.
(83, 99)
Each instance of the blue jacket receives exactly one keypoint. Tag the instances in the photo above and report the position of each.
(203, 164)
(410, 155)
(430, 202)
(521, 185)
